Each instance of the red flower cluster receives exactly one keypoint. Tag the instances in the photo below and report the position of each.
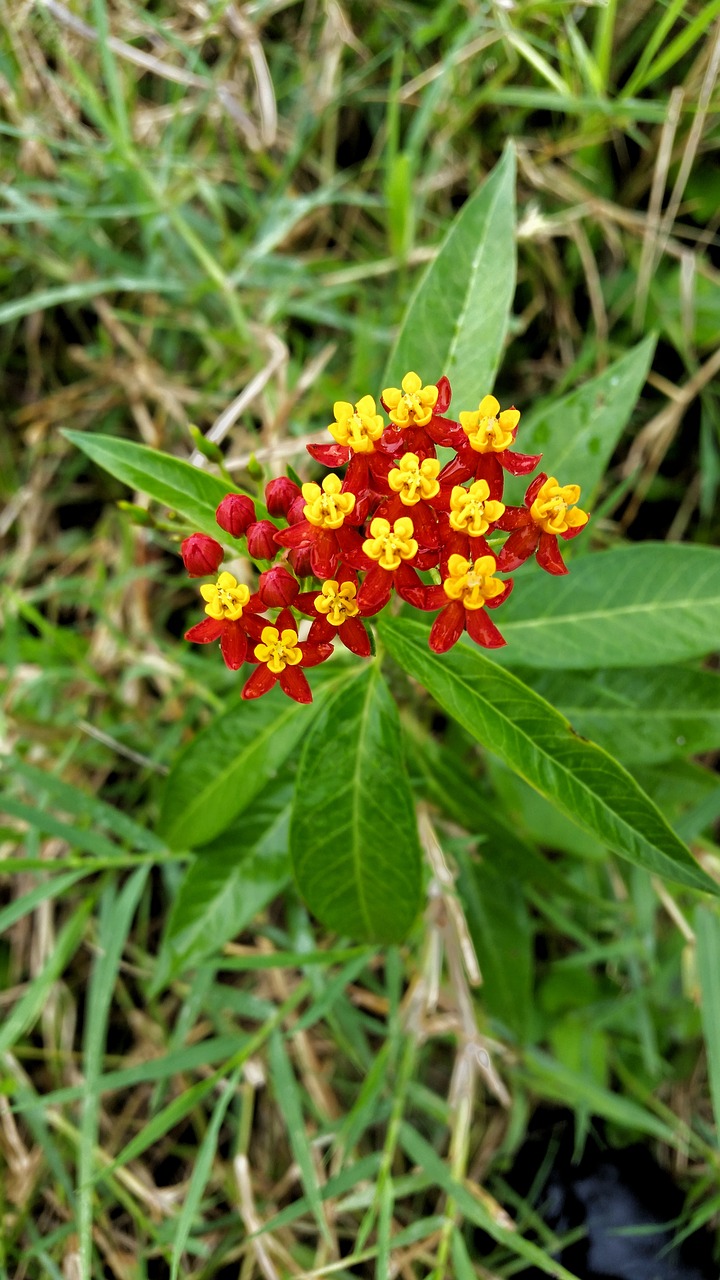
(394, 516)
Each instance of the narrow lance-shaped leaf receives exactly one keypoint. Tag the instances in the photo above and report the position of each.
(641, 715)
(578, 432)
(457, 318)
(353, 835)
(222, 770)
(229, 882)
(190, 492)
(536, 741)
(630, 607)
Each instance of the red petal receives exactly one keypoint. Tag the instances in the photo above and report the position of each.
(261, 681)
(375, 591)
(233, 645)
(392, 441)
(206, 631)
(518, 464)
(425, 525)
(534, 488)
(297, 535)
(518, 547)
(357, 476)
(444, 394)
(444, 431)
(305, 602)
(325, 554)
(330, 455)
(253, 626)
(513, 518)
(285, 621)
(548, 555)
(294, 684)
(427, 559)
(322, 631)
(493, 604)
(433, 598)
(482, 629)
(573, 533)
(408, 583)
(488, 468)
(351, 547)
(314, 654)
(355, 637)
(457, 469)
(346, 574)
(447, 627)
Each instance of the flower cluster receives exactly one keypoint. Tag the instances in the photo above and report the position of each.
(397, 521)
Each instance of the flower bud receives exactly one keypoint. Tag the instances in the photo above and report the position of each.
(235, 513)
(280, 495)
(299, 558)
(201, 555)
(296, 511)
(261, 542)
(277, 587)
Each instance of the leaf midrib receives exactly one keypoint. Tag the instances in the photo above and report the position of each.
(535, 746)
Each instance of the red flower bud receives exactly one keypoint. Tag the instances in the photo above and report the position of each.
(280, 495)
(235, 514)
(277, 587)
(201, 555)
(299, 558)
(261, 542)
(296, 511)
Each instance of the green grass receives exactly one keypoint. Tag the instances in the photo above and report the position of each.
(293, 1105)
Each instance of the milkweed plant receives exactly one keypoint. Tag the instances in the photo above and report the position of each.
(431, 553)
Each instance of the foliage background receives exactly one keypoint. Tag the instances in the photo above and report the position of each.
(206, 202)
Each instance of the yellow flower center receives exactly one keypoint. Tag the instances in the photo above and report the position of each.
(550, 508)
(337, 601)
(487, 429)
(225, 598)
(414, 480)
(357, 428)
(390, 546)
(327, 508)
(413, 405)
(470, 583)
(278, 649)
(472, 510)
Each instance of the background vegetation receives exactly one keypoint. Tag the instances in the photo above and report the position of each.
(215, 214)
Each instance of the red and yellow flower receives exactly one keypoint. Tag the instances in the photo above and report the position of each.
(483, 447)
(232, 618)
(336, 612)
(323, 528)
(468, 591)
(549, 513)
(279, 658)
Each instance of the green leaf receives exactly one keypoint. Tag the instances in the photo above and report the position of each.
(707, 928)
(289, 1100)
(641, 716)
(457, 318)
(539, 744)
(222, 770)
(353, 835)
(475, 1208)
(579, 432)
(554, 1080)
(636, 606)
(500, 926)
(190, 492)
(229, 882)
